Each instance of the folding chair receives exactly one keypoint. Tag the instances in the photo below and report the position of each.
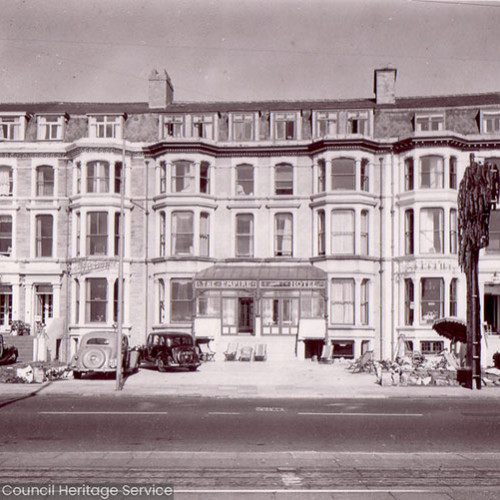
(231, 352)
(246, 353)
(326, 354)
(260, 352)
(206, 354)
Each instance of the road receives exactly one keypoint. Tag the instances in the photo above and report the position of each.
(447, 445)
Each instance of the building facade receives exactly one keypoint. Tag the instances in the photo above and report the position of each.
(285, 223)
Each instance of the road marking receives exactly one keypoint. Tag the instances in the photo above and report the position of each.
(103, 412)
(291, 479)
(361, 414)
(224, 413)
(268, 408)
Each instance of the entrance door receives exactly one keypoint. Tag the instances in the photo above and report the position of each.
(245, 315)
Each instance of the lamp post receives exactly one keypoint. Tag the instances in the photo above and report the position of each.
(477, 196)
(121, 252)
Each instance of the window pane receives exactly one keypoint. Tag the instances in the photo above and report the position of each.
(96, 300)
(343, 174)
(182, 233)
(283, 179)
(431, 172)
(494, 226)
(181, 302)
(283, 234)
(244, 235)
(44, 235)
(343, 232)
(5, 234)
(244, 180)
(45, 181)
(342, 301)
(432, 299)
(183, 177)
(431, 230)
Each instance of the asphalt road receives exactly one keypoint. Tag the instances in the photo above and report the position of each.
(121, 423)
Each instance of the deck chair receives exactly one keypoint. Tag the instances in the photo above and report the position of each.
(206, 354)
(246, 353)
(231, 351)
(260, 352)
(326, 354)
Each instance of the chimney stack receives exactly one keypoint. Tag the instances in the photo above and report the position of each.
(384, 86)
(161, 90)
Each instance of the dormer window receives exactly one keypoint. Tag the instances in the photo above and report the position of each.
(50, 127)
(203, 126)
(106, 126)
(429, 123)
(357, 122)
(490, 122)
(285, 126)
(243, 125)
(12, 127)
(326, 124)
(173, 126)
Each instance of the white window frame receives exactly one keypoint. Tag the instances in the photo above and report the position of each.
(203, 126)
(177, 123)
(490, 122)
(285, 118)
(50, 127)
(429, 122)
(99, 123)
(330, 119)
(247, 121)
(13, 126)
(363, 123)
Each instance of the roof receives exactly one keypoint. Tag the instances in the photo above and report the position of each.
(82, 108)
(261, 272)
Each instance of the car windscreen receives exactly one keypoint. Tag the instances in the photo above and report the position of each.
(180, 340)
(98, 341)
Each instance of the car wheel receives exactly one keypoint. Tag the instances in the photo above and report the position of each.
(77, 375)
(161, 364)
(94, 359)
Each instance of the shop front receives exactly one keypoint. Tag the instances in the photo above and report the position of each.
(279, 306)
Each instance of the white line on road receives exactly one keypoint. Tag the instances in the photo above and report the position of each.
(224, 413)
(103, 412)
(339, 414)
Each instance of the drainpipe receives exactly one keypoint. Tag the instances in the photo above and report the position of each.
(393, 311)
(65, 340)
(381, 259)
(146, 256)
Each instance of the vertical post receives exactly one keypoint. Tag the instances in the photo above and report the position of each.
(121, 252)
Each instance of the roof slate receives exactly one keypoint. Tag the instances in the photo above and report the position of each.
(82, 108)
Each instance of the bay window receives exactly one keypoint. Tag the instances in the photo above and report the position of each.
(182, 233)
(183, 177)
(343, 174)
(97, 233)
(98, 177)
(96, 300)
(431, 299)
(431, 172)
(181, 300)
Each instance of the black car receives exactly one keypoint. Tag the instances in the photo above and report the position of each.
(167, 350)
(8, 354)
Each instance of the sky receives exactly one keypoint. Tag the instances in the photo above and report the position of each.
(245, 50)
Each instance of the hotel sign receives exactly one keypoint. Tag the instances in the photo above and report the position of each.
(225, 284)
(282, 284)
(295, 284)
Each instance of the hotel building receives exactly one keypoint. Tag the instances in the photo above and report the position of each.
(289, 223)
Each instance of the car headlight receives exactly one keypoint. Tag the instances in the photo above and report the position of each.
(112, 363)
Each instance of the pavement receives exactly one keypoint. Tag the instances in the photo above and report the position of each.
(291, 379)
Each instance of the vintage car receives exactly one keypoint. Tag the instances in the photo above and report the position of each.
(97, 353)
(168, 350)
(8, 354)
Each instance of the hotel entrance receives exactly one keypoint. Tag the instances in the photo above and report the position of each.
(245, 315)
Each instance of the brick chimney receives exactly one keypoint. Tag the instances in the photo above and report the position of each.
(161, 90)
(384, 86)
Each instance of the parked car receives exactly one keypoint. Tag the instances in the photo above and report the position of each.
(8, 354)
(167, 350)
(97, 353)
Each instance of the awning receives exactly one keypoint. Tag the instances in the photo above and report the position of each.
(492, 289)
(301, 277)
(452, 328)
